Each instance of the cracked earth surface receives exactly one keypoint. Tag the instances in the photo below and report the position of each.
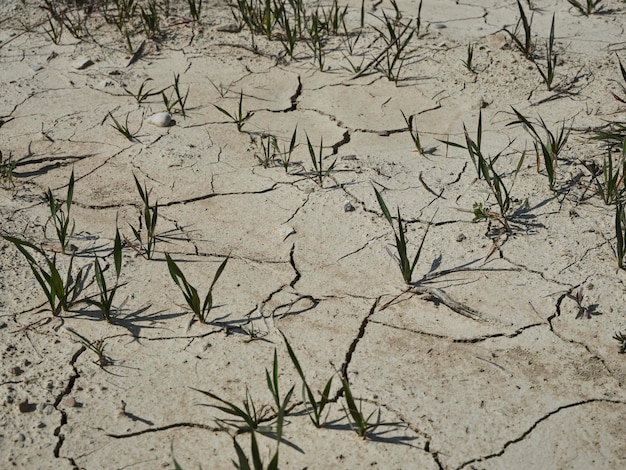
(483, 362)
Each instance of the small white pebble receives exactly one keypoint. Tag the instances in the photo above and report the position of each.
(160, 119)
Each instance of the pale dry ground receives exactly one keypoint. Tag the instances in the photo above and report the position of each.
(526, 385)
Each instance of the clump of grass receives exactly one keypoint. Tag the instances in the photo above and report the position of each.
(396, 38)
(468, 62)
(269, 145)
(60, 217)
(611, 187)
(191, 293)
(123, 128)
(281, 403)
(586, 8)
(319, 173)
(363, 425)
(171, 102)
(285, 153)
(317, 39)
(498, 189)
(406, 265)
(550, 147)
(7, 167)
(96, 346)
(150, 216)
(238, 117)
(105, 303)
(316, 414)
(524, 44)
(60, 292)
(150, 19)
(142, 94)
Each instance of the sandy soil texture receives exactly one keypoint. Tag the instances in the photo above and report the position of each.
(499, 353)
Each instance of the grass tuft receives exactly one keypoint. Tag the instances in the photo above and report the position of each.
(191, 293)
(406, 265)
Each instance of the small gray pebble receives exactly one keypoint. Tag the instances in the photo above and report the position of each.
(20, 437)
(48, 409)
(460, 237)
(348, 207)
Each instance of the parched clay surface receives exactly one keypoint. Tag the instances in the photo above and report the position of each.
(483, 363)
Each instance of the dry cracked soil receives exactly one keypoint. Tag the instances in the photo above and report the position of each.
(499, 353)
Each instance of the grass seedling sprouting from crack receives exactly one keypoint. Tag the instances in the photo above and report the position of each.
(61, 217)
(60, 293)
(316, 414)
(96, 346)
(191, 293)
(150, 215)
(550, 147)
(123, 128)
(106, 296)
(238, 118)
(318, 162)
(525, 44)
(362, 425)
(406, 265)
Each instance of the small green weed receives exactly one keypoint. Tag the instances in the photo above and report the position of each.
(191, 293)
(238, 118)
(362, 425)
(318, 162)
(123, 128)
(7, 167)
(96, 346)
(406, 266)
(317, 407)
(551, 60)
(61, 217)
(142, 94)
(523, 44)
(550, 147)
(611, 187)
(150, 215)
(60, 293)
(247, 418)
(106, 296)
(498, 189)
(468, 62)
